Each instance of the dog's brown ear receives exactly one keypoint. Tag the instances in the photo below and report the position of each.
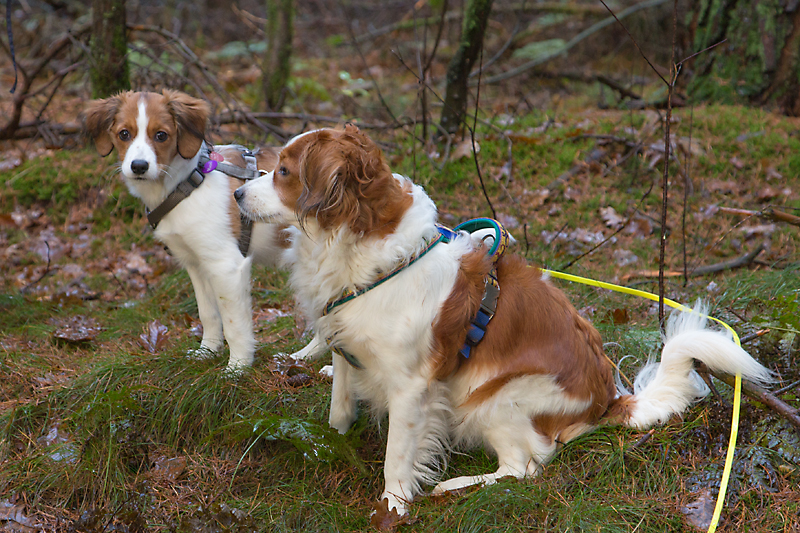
(191, 115)
(99, 119)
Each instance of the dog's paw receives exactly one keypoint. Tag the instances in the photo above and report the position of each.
(201, 353)
(327, 371)
(235, 369)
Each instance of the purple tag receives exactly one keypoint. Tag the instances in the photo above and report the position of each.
(209, 166)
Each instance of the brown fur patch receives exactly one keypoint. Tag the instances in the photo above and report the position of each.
(537, 331)
(182, 117)
(453, 321)
(341, 178)
(620, 410)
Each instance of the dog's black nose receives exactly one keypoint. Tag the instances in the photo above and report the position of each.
(238, 194)
(139, 166)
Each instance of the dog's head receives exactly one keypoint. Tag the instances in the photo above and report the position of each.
(338, 177)
(149, 130)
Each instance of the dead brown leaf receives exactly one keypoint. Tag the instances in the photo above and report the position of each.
(384, 519)
(699, 512)
(169, 468)
(76, 329)
(464, 149)
(154, 336)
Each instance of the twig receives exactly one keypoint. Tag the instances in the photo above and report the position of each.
(366, 66)
(769, 213)
(665, 179)
(701, 271)
(588, 78)
(753, 336)
(787, 388)
(47, 270)
(230, 102)
(765, 397)
(594, 156)
(472, 138)
(575, 40)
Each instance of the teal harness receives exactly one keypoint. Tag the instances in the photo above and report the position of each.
(491, 292)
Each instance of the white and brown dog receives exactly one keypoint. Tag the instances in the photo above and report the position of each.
(159, 138)
(539, 376)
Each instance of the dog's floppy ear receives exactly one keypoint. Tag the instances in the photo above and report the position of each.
(191, 115)
(99, 118)
(347, 181)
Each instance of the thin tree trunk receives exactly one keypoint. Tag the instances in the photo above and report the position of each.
(277, 64)
(109, 48)
(473, 29)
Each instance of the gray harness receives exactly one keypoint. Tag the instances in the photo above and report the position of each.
(196, 177)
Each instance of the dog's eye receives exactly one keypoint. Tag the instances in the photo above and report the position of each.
(124, 135)
(162, 136)
(283, 172)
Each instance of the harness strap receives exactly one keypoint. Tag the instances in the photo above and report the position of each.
(349, 293)
(247, 173)
(181, 192)
(491, 291)
(244, 235)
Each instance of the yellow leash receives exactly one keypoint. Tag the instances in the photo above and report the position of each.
(737, 392)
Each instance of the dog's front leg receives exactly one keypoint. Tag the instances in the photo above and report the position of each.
(406, 432)
(209, 314)
(230, 281)
(312, 350)
(343, 402)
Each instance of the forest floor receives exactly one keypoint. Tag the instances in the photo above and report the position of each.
(107, 425)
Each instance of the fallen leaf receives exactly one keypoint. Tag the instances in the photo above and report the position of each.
(773, 174)
(611, 217)
(10, 512)
(624, 258)
(154, 336)
(761, 230)
(270, 314)
(700, 511)
(620, 316)
(736, 162)
(767, 193)
(725, 187)
(169, 468)
(384, 519)
(76, 329)
(464, 149)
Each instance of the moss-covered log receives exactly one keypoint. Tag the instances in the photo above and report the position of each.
(472, 31)
(109, 48)
(760, 58)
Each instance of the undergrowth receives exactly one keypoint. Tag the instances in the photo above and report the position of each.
(118, 431)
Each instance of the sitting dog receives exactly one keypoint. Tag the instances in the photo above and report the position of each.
(396, 298)
(166, 163)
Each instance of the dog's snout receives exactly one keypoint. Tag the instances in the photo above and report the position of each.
(238, 194)
(139, 166)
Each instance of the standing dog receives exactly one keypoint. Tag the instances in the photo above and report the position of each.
(398, 308)
(159, 138)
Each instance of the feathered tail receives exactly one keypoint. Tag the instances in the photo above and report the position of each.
(665, 388)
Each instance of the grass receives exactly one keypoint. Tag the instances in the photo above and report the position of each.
(107, 433)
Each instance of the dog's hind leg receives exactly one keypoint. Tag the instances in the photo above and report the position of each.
(521, 452)
(209, 315)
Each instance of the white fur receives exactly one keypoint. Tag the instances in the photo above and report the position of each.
(389, 330)
(198, 233)
(668, 387)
